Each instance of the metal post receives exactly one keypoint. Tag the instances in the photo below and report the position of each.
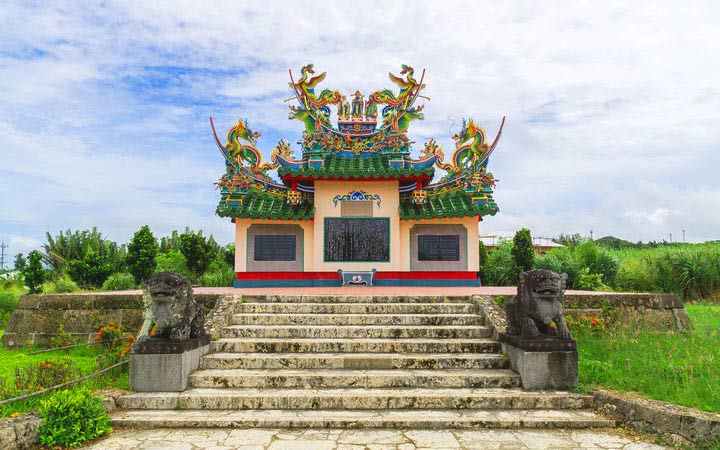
(2, 255)
(683, 235)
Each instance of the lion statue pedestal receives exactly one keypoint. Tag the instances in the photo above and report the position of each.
(537, 339)
(172, 339)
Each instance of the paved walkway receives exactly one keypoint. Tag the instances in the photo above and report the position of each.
(261, 439)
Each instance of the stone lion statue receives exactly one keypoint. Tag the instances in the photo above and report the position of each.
(169, 305)
(538, 308)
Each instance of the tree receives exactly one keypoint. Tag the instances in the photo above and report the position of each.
(141, 254)
(91, 271)
(33, 272)
(482, 257)
(198, 251)
(522, 250)
(20, 262)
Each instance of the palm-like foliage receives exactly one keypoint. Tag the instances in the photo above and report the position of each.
(69, 246)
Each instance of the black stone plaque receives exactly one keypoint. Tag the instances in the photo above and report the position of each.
(438, 247)
(275, 247)
(357, 239)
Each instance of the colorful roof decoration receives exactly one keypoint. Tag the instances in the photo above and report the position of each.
(368, 142)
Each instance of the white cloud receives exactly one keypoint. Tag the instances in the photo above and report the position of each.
(612, 107)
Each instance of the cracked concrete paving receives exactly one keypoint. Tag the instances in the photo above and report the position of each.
(372, 439)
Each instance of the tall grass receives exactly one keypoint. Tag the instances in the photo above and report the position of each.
(691, 271)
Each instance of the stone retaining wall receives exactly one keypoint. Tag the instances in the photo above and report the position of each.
(677, 424)
(657, 311)
(19, 432)
(38, 317)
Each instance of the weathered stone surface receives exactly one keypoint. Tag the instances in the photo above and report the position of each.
(354, 361)
(356, 319)
(356, 308)
(678, 423)
(544, 370)
(299, 378)
(19, 432)
(170, 308)
(352, 331)
(164, 372)
(257, 345)
(537, 310)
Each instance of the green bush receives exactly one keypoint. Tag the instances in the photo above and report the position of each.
(45, 374)
(199, 251)
(217, 278)
(119, 282)
(60, 285)
(72, 417)
(90, 271)
(173, 261)
(501, 269)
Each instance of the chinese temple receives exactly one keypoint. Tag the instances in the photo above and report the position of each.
(354, 207)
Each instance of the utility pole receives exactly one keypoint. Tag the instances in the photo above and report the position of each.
(671, 238)
(683, 235)
(591, 235)
(2, 255)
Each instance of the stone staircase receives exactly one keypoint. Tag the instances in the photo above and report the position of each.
(364, 362)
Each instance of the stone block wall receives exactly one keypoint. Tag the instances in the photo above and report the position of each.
(38, 317)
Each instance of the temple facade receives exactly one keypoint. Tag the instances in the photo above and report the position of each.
(355, 207)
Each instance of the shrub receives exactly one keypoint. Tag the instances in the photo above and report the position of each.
(522, 250)
(218, 278)
(90, 271)
(61, 338)
(119, 282)
(45, 374)
(72, 417)
(501, 269)
(60, 285)
(173, 261)
(482, 259)
(113, 340)
(33, 272)
(586, 281)
(141, 255)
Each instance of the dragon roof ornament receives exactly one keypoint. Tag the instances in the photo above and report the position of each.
(366, 127)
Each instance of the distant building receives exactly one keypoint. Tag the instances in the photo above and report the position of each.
(356, 200)
(542, 245)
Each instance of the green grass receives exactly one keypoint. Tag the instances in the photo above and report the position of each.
(84, 358)
(677, 367)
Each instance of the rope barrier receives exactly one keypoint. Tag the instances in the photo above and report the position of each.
(59, 386)
(47, 350)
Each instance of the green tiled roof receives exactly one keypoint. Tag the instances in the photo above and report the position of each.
(375, 166)
(261, 205)
(451, 204)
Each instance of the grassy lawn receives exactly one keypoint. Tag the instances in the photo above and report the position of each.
(682, 368)
(51, 368)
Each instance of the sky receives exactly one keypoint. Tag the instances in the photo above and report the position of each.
(612, 107)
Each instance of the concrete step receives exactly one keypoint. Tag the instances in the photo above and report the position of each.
(320, 379)
(356, 319)
(356, 308)
(356, 299)
(354, 361)
(284, 345)
(406, 419)
(355, 398)
(353, 331)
